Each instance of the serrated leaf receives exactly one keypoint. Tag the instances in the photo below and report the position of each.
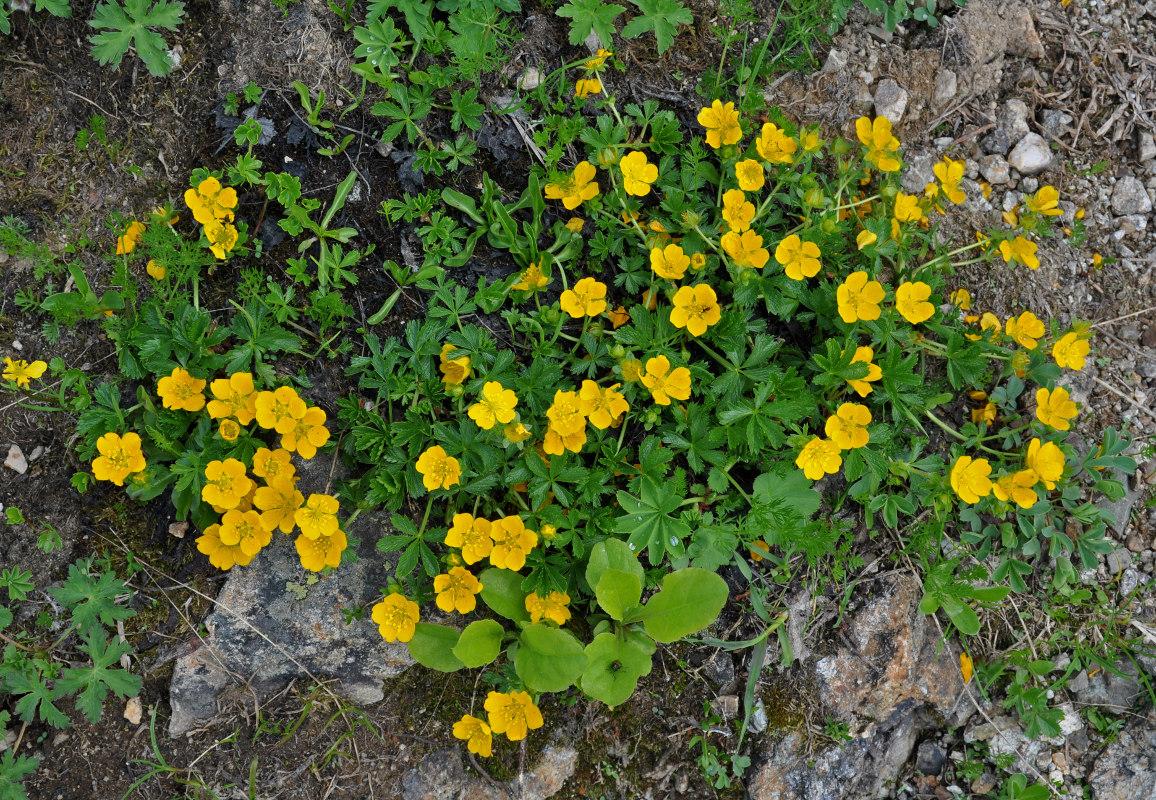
(93, 601)
(661, 16)
(588, 15)
(94, 682)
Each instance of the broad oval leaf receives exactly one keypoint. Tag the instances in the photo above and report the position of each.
(479, 643)
(611, 554)
(502, 592)
(548, 659)
(690, 600)
(433, 646)
(617, 591)
(613, 668)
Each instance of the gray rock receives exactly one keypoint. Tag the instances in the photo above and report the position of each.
(994, 169)
(1012, 119)
(1145, 146)
(1005, 737)
(530, 79)
(836, 60)
(16, 461)
(861, 101)
(441, 776)
(1130, 197)
(997, 142)
(929, 758)
(1023, 40)
(758, 721)
(946, 86)
(1055, 122)
(1129, 581)
(890, 100)
(1031, 156)
(1126, 770)
(919, 172)
(1108, 689)
(1118, 560)
(720, 668)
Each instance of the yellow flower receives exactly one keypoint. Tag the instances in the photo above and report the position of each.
(721, 123)
(324, 551)
(969, 478)
(180, 391)
(209, 202)
(695, 308)
(577, 189)
(865, 238)
(746, 249)
(847, 427)
(911, 302)
(669, 262)
(476, 734)
(637, 173)
(575, 224)
(1046, 461)
(1025, 329)
(222, 237)
(1020, 250)
(565, 413)
(750, 175)
(279, 409)
(396, 618)
(515, 432)
(495, 407)
(120, 456)
(454, 370)
(586, 299)
(556, 443)
(318, 517)
(1097, 260)
(874, 372)
(819, 457)
(665, 383)
(1055, 408)
(631, 370)
(307, 434)
(155, 270)
(961, 298)
(21, 372)
(221, 556)
(278, 503)
(225, 483)
(243, 529)
(737, 211)
(618, 317)
(799, 259)
(602, 406)
(774, 145)
(512, 542)
(551, 607)
(1045, 202)
(950, 173)
(126, 243)
(234, 396)
(985, 412)
(472, 535)
(907, 208)
(438, 470)
(859, 298)
(530, 279)
(810, 141)
(880, 143)
(698, 261)
(1071, 351)
(273, 464)
(513, 714)
(229, 430)
(456, 589)
(584, 87)
(1017, 487)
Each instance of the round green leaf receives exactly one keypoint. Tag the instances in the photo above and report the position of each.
(613, 668)
(618, 591)
(502, 592)
(548, 659)
(479, 643)
(611, 554)
(433, 646)
(690, 600)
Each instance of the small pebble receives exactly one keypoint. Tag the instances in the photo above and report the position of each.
(16, 460)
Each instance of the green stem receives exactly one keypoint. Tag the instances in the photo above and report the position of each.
(425, 517)
(953, 432)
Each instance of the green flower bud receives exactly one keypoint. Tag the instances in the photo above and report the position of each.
(617, 352)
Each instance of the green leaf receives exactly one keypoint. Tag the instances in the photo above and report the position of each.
(961, 615)
(12, 772)
(661, 16)
(433, 646)
(502, 592)
(479, 643)
(587, 15)
(690, 600)
(548, 659)
(648, 520)
(611, 554)
(613, 668)
(18, 583)
(94, 682)
(5, 618)
(93, 601)
(617, 591)
(132, 29)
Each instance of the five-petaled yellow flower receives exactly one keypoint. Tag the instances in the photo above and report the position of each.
(120, 456)
(565, 413)
(774, 145)
(279, 409)
(1045, 202)
(721, 123)
(637, 173)
(1017, 487)
(1070, 352)
(1025, 329)
(222, 237)
(1055, 408)
(244, 529)
(577, 189)
(1046, 461)
(234, 396)
(22, 372)
(859, 298)
(324, 551)
(513, 714)
(437, 469)
(862, 386)
(221, 555)
(799, 259)
(396, 618)
(737, 211)
(669, 262)
(969, 478)
(226, 483)
(665, 383)
(127, 243)
(602, 406)
(278, 503)
(847, 427)
(584, 87)
(819, 457)
(881, 145)
(551, 607)
(950, 173)
(210, 203)
(750, 175)
(512, 542)
(318, 517)
(586, 299)
(695, 308)
(495, 407)
(472, 535)
(273, 464)
(180, 391)
(1020, 250)
(456, 590)
(907, 208)
(307, 434)
(454, 370)
(746, 249)
(229, 430)
(476, 734)
(911, 301)
(531, 279)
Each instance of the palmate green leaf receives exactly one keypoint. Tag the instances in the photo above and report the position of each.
(690, 600)
(132, 29)
(5, 618)
(548, 659)
(37, 696)
(12, 772)
(661, 16)
(94, 682)
(614, 666)
(587, 15)
(648, 521)
(93, 601)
